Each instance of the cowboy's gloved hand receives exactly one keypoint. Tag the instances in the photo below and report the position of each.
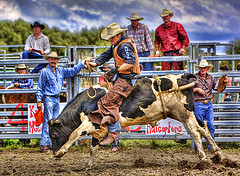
(112, 72)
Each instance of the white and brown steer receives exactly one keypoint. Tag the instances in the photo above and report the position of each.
(146, 104)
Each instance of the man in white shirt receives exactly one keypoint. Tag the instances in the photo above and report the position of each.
(36, 46)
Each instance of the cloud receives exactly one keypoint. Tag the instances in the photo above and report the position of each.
(215, 18)
(9, 10)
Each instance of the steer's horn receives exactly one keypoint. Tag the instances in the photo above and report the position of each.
(187, 86)
(55, 121)
(52, 122)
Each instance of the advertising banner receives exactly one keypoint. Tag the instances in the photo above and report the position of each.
(166, 126)
(32, 109)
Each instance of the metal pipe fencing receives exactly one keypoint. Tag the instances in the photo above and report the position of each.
(227, 116)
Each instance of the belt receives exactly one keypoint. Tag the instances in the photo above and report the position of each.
(55, 96)
(203, 101)
(171, 52)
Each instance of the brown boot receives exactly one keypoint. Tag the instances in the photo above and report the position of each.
(110, 138)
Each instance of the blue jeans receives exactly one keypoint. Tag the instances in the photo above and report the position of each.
(29, 55)
(51, 111)
(147, 66)
(205, 111)
(114, 127)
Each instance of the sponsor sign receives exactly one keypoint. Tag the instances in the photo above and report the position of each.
(166, 127)
(32, 109)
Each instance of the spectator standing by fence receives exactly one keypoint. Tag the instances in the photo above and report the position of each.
(237, 80)
(23, 83)
(141, 36)
(226, 96)
(36, 46)
(203, 96)
(49, 87)
(173, 40)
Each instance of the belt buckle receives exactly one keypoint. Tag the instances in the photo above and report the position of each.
(206, 101)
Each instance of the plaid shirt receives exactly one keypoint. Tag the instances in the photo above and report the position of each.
(141, 37)
(24, 83)
(41, 43)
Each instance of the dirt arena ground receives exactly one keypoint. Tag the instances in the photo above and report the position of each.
(126, 161)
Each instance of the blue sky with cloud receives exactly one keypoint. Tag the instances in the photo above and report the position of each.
(204, 20)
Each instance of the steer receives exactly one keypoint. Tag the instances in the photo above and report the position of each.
(151, 100)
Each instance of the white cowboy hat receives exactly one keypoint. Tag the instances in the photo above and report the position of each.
(166, 12)
(52, 55)
(204, 63)
(111, 30)
(21, 66)
(134, 16)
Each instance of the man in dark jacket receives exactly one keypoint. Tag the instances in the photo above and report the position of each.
(126, 67)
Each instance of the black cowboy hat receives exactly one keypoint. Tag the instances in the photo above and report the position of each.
(37, 24)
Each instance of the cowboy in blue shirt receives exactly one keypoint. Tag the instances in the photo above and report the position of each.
(49, 87)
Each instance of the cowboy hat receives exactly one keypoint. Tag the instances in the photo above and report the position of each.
(21, 66)
(111, 30)
(204, 63)
(166, 12)
(37, 24)
(134, 16)
(52, 55)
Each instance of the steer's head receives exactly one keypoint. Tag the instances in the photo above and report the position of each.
(58, 133)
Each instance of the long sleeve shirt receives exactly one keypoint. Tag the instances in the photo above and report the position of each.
(50, 84)
(172, 37)
(23, 83)
(41, 43)
(207, 85)
(125, 51)
(141, 37)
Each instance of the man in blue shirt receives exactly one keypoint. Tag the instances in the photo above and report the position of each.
(49, 87)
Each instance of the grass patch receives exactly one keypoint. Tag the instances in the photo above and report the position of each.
(19, 144)
(160, 144)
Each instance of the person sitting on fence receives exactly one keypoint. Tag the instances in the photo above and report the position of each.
(36, 46)
(226, 96)
(23, 83)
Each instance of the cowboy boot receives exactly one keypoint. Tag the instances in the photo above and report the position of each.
(110, 138)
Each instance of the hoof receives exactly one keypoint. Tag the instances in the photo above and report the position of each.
(59, 154)
(217, 157)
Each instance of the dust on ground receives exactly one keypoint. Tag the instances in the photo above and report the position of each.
(126, 161)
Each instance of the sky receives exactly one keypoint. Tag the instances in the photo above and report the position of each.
(203, 20)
